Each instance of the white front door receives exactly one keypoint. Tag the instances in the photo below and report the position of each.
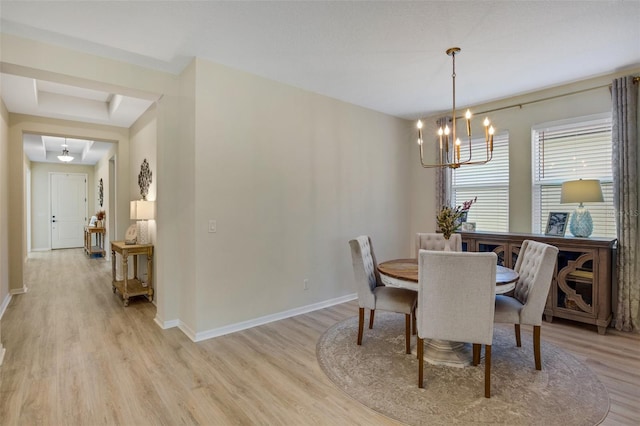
(68, 209)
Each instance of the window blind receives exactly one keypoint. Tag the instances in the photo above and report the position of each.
(489, 182)
(578, 149)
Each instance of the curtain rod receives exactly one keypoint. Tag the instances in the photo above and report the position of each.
(520, 105)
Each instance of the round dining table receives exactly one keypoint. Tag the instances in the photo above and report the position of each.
(404, 273)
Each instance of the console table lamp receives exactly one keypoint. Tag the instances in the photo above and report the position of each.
(142, 211)
(581, 191)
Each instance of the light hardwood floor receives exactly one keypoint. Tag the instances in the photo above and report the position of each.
(75, 355)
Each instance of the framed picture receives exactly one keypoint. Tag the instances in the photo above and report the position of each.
(131, 236)
(468, 226)
(557, 223)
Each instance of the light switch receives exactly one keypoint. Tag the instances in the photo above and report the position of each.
(212, 226)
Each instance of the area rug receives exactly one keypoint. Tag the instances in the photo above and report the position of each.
(381, 376)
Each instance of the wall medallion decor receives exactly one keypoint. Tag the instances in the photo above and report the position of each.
(100, 192)
(144, 179)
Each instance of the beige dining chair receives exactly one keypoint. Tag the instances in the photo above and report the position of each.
(373, 294)
(536, 264)
(456, 293)
(435, 241)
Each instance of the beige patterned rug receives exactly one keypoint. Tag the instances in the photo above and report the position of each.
(381, 376)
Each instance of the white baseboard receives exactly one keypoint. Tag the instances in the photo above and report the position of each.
(166, 324)
(188, 331)
(3, 306)
(22, 290)
(232, 328)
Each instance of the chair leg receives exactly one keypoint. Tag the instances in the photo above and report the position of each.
(371, 314)
(517, 329)
(476, 354)
(536, 347)
(487, 371)
(407, 326)
(420, 361)
(414, 321)
(360, 325)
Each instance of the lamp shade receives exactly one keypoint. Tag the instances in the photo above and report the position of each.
(581, 191)
(142, 210)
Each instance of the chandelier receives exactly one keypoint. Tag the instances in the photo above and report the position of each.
(449, 152)
(65, 157)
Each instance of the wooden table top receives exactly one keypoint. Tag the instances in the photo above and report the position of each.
(407, 269)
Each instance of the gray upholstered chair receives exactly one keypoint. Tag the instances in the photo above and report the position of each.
(535, 265)
(433, 241)
(373, 294)
(456, 294)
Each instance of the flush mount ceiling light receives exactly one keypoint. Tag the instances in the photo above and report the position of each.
(449, 152)
(65, 157)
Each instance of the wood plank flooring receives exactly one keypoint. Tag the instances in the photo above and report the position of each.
(76, 356)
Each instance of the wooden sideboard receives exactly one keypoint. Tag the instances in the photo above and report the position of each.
(581, 289)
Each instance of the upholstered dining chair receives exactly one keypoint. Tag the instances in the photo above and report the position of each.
(373, 294)
(535, 265)
(434, 241)
(456, 301)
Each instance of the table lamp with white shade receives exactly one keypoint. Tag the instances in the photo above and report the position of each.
(581, 191)
(142, 211)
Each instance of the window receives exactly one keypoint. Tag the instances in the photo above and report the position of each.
(489, 182)
(569, 150)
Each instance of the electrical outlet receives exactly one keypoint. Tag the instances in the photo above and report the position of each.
(306, 284)
(212, 226)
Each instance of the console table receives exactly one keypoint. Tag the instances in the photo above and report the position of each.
(581, 289)
(132, 287)
(89, 248)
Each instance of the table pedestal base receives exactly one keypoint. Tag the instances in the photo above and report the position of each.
(451, 354)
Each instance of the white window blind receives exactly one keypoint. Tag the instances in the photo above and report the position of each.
(489, 182)
(570, 150)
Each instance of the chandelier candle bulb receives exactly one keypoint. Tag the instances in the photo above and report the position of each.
(468, 117)
(491, 132)
(446, 138)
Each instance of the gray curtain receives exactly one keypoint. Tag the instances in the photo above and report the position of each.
(624, 93)
(443, 174)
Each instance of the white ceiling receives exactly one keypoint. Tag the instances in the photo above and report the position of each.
(54, 100)
(387, 55)
(45, 149)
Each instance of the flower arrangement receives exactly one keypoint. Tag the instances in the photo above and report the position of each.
(100, 215)
(448, 218)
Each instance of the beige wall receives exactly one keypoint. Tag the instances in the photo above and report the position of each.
(4, 216)
(40, 199)
(593, 97)
(174, 251)
(4, 204)
(290, 176)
